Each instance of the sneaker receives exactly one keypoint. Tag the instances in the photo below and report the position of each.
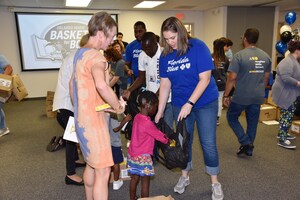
(218, 121)
(4, 131)
(217, 192)
(117, 184)
(181, 184)
(289, 137)
(286, 144)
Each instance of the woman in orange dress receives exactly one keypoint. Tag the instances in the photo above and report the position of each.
(89, 89)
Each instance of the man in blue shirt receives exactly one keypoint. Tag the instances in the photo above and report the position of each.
(134, 49)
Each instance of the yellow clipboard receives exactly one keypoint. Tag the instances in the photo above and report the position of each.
(102, 107)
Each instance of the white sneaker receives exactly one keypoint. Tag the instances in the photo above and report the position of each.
(217, 192)
(4, 131)
(117, 184)
(181, 184)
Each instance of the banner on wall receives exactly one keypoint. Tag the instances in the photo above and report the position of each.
(46, 39)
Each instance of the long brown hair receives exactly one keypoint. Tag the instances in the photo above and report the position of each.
(218, 53)
(176, 26)
(112, 53)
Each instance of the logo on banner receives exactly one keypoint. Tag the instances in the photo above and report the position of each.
(58, 40)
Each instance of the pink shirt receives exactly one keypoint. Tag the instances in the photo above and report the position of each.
(144, 134)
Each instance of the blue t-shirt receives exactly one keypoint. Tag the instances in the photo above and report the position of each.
(183, 72)
(3, 63)
(133, 51)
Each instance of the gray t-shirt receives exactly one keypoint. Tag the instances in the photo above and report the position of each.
(118, 69)
(250, 65)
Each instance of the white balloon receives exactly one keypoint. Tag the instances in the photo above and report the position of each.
(285, 28)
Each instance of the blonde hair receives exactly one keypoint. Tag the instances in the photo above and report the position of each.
(84, 39)
(176, 26)
(101, 21)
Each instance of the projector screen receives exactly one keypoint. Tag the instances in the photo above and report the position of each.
(45, 39)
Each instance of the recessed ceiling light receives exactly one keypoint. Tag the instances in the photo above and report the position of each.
(78, 3)
(149, 4)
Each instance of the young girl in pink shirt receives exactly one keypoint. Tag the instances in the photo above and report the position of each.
(144, 134)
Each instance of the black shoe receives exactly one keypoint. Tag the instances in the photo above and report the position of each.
(246, 149)
(250, 150)
(71, 182)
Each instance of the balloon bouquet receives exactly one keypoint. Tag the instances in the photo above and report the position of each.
(286, 33)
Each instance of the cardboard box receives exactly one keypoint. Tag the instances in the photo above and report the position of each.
(161, 197)
(270, 100)
(19, 90)
(267, 112)
(6, 82)
(295, 128)
(4, 95)
(49, 104)
(123, 172)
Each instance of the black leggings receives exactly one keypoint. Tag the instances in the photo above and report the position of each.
(71, 147)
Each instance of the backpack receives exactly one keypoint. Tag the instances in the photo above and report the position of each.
(174, 157)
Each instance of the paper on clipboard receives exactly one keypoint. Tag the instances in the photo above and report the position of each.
(70, 133)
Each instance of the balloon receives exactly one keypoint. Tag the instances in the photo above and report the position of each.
(290, 17)
(285, 28)
(286, 36)
(281, 47)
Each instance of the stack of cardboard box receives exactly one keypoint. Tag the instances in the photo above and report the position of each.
(11, 88)
(49, 104)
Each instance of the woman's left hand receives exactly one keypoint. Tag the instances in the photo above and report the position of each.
(185, 111)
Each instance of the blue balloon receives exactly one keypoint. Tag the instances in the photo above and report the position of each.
(290, 17)
(281, 47)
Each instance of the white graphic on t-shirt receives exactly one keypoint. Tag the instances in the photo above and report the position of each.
(175, 65)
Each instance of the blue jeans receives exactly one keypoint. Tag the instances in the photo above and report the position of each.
(168, 115)
(205, 118)
(2, 117)
(252, 116)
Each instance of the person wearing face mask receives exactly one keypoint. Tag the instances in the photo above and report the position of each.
(185, 69)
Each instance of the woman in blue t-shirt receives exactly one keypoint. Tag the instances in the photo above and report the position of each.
(185, 68)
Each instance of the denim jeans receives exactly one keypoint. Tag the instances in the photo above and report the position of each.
(205, 118)
(168, 115)
(2, 117)
(252, 116)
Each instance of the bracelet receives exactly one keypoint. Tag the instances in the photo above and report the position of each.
(191, 103)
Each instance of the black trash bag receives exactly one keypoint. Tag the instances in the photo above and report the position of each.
(174, 157)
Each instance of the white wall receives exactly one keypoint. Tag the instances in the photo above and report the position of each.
(39, 82)
(154, 19)
(215, 21)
